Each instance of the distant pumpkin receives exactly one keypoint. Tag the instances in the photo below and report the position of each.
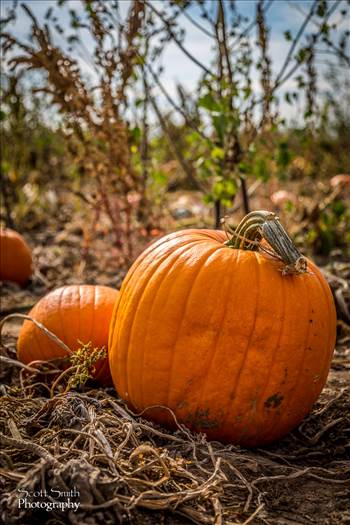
(281, 197)
(73, 313)
(340, 180)
(15, 257)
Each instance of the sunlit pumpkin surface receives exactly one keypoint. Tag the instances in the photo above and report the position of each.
(220, 336)
(74, 313)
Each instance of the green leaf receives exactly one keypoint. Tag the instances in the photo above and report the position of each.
(5, 166)
(339, 208)
(135, 134)
(283, 155)
(301, 55)
(243, 167)
(218, 190)
(217, 153)
(289, 206)
(230, 187)
(225, 190)
(208, 199)
(220, 125)
(287, 98)
(159, 177)
(72, 38)
(48, 13)
(193, 138)
(261, 170)
(321, 8)
(300, 81)
(247, 91)
(208, 102)
(325, 29)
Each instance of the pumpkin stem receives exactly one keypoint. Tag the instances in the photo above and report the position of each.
(259, 225)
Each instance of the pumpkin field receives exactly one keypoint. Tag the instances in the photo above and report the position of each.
(175, 262)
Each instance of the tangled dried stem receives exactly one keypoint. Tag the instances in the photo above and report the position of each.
(123, 466)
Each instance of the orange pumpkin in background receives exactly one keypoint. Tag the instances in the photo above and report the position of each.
(15, 257)
(234, 347)
(72, 313)
(340, 180)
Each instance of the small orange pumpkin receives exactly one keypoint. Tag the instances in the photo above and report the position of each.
(72, 313)
(15, 257)
(233, 345)
(340, 180)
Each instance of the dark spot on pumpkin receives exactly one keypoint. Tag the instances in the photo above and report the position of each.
(207, 425)
(285, 376)
(244, 431)
(310, 320)
(202, 420)
(274, 401)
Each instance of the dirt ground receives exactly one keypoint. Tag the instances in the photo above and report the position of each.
(127, 470)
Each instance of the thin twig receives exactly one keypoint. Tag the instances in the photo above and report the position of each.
(177, 41)
(41, 327)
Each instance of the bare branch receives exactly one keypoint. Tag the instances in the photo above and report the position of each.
(337, 50)
(296, 40)
(297, 64)
(170, 100)
(251, 26)
(196, 24)
(177, 41)
(224, 40)
(173, 146)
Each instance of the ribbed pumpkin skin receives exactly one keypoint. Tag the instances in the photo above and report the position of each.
(15, 257)
(218, 335)
(76, 312)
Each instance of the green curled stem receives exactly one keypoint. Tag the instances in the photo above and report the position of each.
(261, 224)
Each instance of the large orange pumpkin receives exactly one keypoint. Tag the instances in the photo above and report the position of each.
(233, 346)
(72, 313)
(15, 257)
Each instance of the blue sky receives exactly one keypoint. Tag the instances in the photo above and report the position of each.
(282, 15)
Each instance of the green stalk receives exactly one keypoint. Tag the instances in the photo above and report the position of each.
(262, 224)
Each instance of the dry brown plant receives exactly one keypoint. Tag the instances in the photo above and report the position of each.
(97, 133)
